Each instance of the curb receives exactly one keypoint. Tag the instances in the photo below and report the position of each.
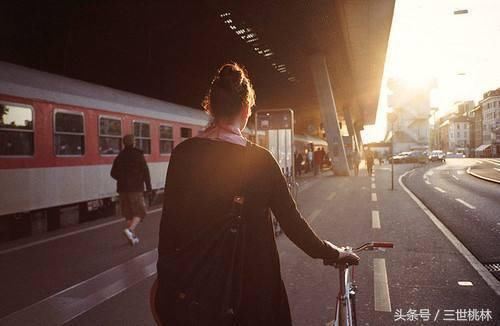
(490, 280)
(481, 177)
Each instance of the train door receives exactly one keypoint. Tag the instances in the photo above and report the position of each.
(274, 131)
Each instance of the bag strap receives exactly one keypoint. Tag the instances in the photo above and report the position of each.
(239, 198)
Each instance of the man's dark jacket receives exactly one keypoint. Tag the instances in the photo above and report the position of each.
(130, 170)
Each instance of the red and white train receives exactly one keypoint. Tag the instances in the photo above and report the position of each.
(59, 136)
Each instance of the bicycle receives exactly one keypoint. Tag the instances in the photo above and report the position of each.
(345, 309)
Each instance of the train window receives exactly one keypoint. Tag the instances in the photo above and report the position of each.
(16, 130)
(166, 139)
(110, 133)
(186, 132)
(69, 135)
(142, 136)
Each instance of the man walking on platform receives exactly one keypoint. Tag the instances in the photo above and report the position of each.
(131, 172)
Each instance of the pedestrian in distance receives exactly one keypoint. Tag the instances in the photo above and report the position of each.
(323, 155)
(298, 163)
(317, 159)
(218, 262)
(131, 172)
(310, 161)
(369, 158)
(356, 159)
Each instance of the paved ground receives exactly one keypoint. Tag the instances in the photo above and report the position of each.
(95, 278)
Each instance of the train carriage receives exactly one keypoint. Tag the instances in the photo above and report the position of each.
(59, 137)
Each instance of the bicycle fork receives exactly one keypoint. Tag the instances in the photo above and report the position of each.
(345, 309)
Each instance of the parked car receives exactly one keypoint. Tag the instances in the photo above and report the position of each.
(399, 158)
(437, 155)
(455, 155)
(416, 157)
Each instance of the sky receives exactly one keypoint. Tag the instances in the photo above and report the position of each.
(427, 41)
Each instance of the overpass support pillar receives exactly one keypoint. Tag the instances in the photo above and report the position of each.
(357, 129)
(350, 127)
(329, 114)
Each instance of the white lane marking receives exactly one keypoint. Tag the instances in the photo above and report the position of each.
(492, 282)
(465, 203)
(460, 172)
(331, 196)
(74, 301)
(374, 196)
(497, 169)
(373, 179)
(381, 286)
(479, 162)
(455, 177)
(375, 220)
(313, 215)
(373, 186)
(439, 189)
(465, 283)
(95, 227)
(428, 182)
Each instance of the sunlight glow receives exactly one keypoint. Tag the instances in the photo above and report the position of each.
(429, 42)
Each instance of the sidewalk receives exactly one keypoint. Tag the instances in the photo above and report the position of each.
(489, 170)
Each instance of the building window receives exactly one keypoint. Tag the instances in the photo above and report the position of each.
(186, 132)
(166, 139)
(69, 135)
(16, 130)
(142, 136)
(458, 134)
(458, 126)
(110, 134)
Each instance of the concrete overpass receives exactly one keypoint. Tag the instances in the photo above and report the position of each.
(307, 55)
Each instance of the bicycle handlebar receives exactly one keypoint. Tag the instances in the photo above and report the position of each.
(374, 245)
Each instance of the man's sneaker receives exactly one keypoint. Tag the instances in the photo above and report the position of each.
(131, 237)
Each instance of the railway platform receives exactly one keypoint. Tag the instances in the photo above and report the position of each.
(90, 275)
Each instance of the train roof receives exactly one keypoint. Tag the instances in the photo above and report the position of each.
(29, 83)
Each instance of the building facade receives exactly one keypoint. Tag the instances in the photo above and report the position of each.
(476, 128)
(490, 105)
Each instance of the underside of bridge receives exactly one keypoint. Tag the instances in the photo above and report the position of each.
(169, 50)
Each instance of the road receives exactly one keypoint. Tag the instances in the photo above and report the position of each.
(468, 206)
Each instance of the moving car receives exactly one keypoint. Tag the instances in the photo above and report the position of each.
(437, 155)
(400, 158)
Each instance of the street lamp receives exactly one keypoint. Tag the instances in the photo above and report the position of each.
(391, 116)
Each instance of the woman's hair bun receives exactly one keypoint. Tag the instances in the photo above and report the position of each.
(229, 92)
(229, 77)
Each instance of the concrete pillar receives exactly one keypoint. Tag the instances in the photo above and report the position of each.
(329, 114)
(357, 129)
(350, 127)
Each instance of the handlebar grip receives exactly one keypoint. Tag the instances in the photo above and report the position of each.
(383, 245)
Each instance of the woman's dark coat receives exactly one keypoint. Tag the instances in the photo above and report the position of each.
(203, 177)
